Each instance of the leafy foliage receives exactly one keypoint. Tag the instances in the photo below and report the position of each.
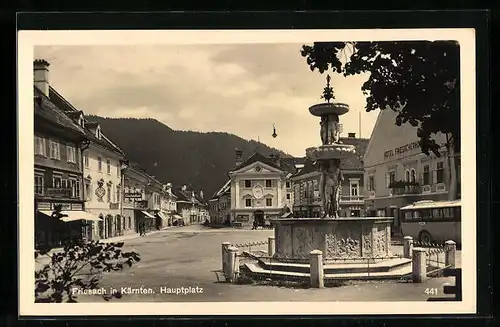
(417, 79)
(78, 266)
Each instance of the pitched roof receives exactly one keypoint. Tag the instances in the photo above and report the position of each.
(46, 109)
(223, 190)
(186, 195)
(353, 163)
(286, 164)
(309, 167)
(67, 107)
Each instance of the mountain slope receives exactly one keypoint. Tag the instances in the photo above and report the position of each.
(179, 157)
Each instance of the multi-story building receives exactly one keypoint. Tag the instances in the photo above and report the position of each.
(136, 207)
(260, 188)
(102, 164)
(168, 205)
(307, 201)
(220, 205)
(58, 169)
(102, 161)
(397, 173)
(189, 206)
(154, 193)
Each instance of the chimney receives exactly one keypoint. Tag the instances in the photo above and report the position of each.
(239, 157)
(201, 195)
(351, 135)
(41, 75)
(168, 187)
(184, 187)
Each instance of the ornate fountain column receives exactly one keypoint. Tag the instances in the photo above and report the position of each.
(328, 156)
(336, 237)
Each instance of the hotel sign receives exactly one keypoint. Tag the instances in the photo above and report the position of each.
(133, 195)
(401, 149)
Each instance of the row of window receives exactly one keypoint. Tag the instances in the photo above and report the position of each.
(111, 197)
(249, 202)
(269, 183)
(411, 176)
(430, 214)
(309, 191)
(71, 185)
(86, 163)
(54, 149)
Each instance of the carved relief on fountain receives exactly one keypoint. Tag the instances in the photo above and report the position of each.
(348, 241)
(330, 244)
(380, 247)
(299, 242)
(287, 248)
(366, 240)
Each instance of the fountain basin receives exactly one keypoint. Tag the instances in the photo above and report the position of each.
(341, 238)
(322, 109)
(332, 151)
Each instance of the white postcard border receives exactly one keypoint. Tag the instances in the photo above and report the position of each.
(28, 39)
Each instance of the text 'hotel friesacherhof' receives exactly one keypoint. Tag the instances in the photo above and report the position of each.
(86, 189)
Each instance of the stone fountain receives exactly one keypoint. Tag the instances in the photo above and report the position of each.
(347, 244)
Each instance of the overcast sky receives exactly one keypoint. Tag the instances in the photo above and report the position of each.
(239, 89)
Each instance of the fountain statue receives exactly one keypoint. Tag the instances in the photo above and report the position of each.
(336, 236)
(350, 247)
(328, 155)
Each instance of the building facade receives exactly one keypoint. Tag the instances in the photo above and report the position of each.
(154, 193)
(102, 161)
(307, 201)
(220, 205)
(189, 206)
(260, 188)
(397, 173)
(58, 171)
(136, 208)
(168, 205)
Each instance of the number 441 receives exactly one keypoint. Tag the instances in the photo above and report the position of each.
(431, 291)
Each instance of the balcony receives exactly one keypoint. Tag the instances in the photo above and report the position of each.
(405, 188)
(54, 192)
(351, 199)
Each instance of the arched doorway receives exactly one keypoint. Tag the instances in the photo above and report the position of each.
(119, 225)
(109, 226)
(258, 217)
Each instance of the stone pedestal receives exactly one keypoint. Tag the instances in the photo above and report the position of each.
(340, 238)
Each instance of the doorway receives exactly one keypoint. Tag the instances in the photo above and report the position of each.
(258, 217)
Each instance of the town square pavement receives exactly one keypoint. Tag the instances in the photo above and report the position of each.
(185, 257)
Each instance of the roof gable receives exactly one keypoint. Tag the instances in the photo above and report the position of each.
(257, 157)
(259, 167)
(47, 109)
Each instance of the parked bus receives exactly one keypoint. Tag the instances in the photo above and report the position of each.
(432, 221)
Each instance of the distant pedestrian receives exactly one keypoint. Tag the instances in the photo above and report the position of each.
(142, 228)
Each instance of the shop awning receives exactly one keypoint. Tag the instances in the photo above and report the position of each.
(147, 214)
(286, 215)
(177, 217)
(161, 215)
(73, 215)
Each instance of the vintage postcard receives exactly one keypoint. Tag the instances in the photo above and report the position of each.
(276, 172)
